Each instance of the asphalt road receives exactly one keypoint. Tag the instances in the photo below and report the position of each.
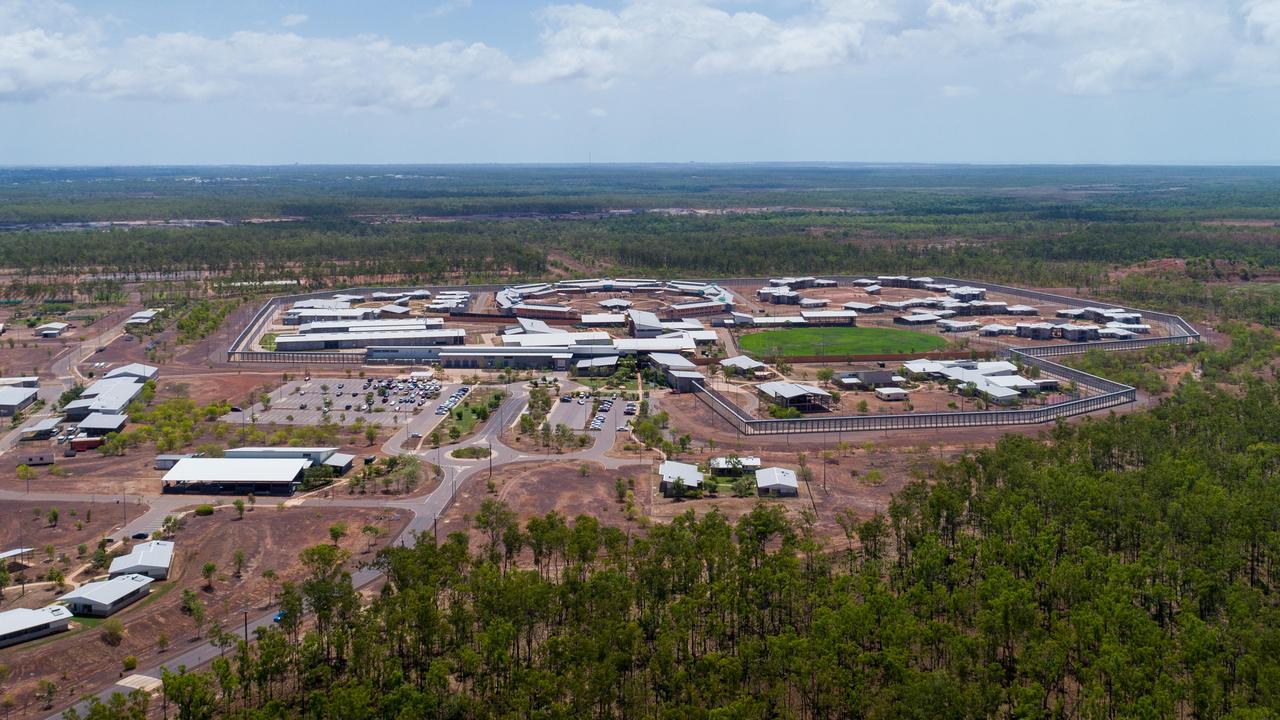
(424, 510)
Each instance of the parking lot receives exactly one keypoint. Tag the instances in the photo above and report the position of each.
(390, 403)
(580, 417)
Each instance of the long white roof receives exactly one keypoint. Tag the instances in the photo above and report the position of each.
(134, 370)
(785, 389)
(19, 619)
(233, 470)
(108, 591)
(10, 395)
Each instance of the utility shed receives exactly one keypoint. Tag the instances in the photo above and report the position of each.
(891, 393)
(102, 599)
(42, 430)
(152, 559)
(777, 481)
(22, 624)
(52, 330)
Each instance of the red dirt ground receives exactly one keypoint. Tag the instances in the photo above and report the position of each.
(78, 661)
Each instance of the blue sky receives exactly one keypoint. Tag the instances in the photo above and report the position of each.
(984, 81)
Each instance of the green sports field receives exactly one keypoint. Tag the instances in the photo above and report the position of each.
(794, 342)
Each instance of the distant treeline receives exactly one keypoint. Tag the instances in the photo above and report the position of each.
(1059, 253)
(1080, 193)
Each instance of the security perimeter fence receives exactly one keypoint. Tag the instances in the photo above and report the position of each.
(1109, 393)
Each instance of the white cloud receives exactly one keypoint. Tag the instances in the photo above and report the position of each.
(598, 112)
(1079, 46)
(360, 73)
(597, 46)
(449, 6)
(45, 47)
(957, 91)
(49, 47)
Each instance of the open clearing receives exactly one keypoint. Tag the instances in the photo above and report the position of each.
(795, 342)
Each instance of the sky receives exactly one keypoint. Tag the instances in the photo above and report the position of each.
(530, 81)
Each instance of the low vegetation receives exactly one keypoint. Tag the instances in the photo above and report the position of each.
(474, 410)
(795, 342)
(1125, 556)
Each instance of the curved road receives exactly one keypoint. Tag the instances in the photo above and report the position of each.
(425, 510)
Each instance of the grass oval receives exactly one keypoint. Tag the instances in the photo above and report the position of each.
(795, 342)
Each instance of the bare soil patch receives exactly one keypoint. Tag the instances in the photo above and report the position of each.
(79, 660)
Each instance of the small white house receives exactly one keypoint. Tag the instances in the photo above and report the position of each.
(677, 473)
(152, 559)
(891, 394)
(733, 465)
(101, 599)
(777, 481)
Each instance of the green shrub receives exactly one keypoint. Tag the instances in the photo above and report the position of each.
(204, 510)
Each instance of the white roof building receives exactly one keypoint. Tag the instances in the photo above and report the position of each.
(52, 330)
(274, 474)
(631, 346)
(746, 462)
(742, 362)
(110, 395)
(142, 317)
(13, 399)
(777, 480)
(671, 361)
(152, 559)
(314, 454)
(790, 391)
(137, 370)
(100, 599)
(355, 326)
(891, 393)
(644, 323)
(604, 319)
(678, 473)
(23, 624)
